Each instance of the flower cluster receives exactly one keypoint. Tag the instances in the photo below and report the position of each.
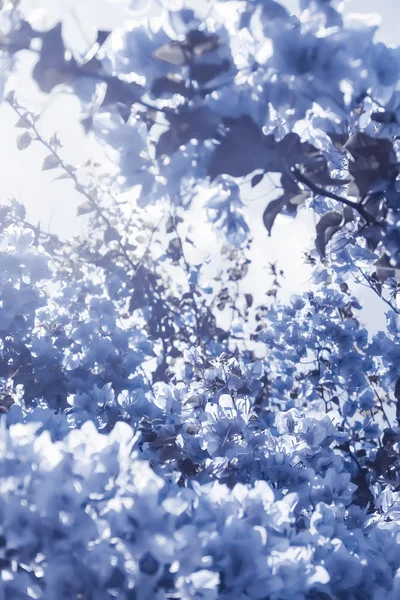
(165, 434)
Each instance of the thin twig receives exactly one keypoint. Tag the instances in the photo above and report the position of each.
(72, 174)
(373, 288)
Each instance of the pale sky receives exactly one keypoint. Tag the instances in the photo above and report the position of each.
(54, 203)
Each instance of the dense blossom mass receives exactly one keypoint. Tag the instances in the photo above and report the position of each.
(163, 433)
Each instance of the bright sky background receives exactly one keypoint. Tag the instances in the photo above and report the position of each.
(54, 203)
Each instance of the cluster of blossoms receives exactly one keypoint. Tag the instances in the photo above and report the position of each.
(233, 477)
(87, 517)
(162, 434)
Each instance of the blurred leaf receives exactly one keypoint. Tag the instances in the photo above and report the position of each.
(121, 91)
(50, 162)
(387, 117)
(86, 208)
(242, 150)
(372, 159)
(111, 234)
(205, 72)
(178, 53)
(199, 123)
(169, 85)
(24, 140)
(53, 67)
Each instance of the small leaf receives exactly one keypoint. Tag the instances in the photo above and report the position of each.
(50, 162)
(64, 175)
(24, 140)
(257, 179)
(272, 211)
(249, 300)
(23, 122)
(85, 208)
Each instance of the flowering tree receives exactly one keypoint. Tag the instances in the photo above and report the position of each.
(163, 436)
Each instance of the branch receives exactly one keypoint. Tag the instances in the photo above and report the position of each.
(72, 174)
(373, 288)
(319, 191)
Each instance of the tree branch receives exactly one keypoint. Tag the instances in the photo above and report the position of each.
(319, 191)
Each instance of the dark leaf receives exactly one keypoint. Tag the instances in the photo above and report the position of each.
(384, 269)
(249, 300)
(397, 396)
(102, 35)
(348, 214)
(257, 179)
(326, 228)
(111, 234)
(174, 250)
(372, 159)
(272, 211)
(200, 43)
(170, 85)
(205, 72)
(385, 117)
(200, 123)
(53, 68)
(243, 149)
(121, 91)
(372, 235)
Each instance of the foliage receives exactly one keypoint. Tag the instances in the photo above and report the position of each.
(163, 434)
